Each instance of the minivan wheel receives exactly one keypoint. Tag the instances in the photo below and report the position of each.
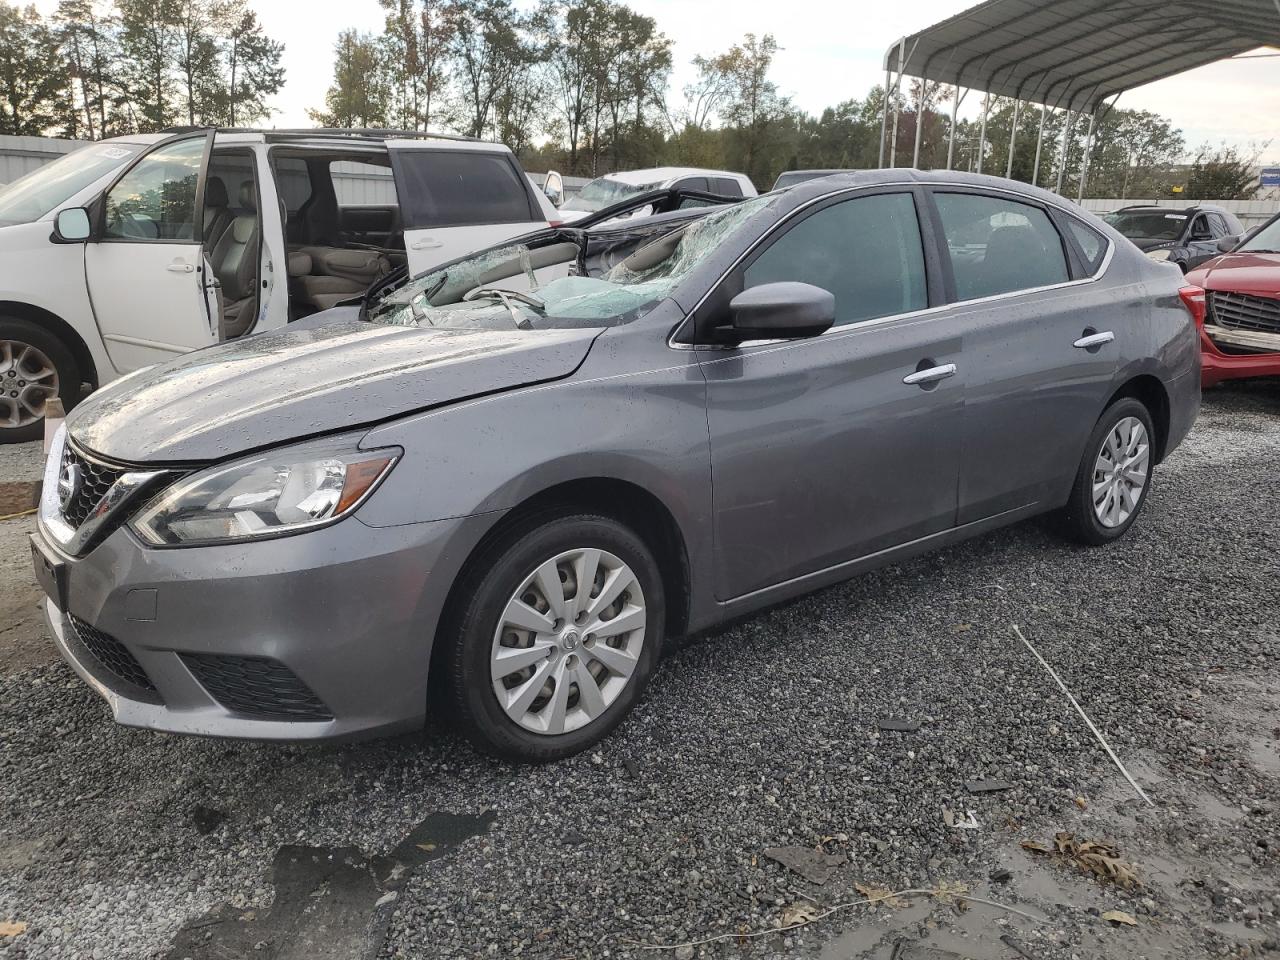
(1114, 476)
(35, 367)
(556, 637)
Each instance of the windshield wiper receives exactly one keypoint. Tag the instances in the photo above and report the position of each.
(508, 299)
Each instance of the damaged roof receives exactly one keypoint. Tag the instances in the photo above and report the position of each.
(1074, 54)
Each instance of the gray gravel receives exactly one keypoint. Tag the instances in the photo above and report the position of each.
(22, 461)
(762, 736)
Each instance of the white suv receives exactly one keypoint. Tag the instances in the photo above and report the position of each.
(133, 250)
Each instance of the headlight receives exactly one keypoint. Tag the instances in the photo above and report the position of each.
(1160, 254)
(269, 495)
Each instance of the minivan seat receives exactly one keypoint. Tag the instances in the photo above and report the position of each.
(339, 274)
(235, 263)
(217, 211)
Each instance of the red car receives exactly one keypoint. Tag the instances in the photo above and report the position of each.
(1240, 316)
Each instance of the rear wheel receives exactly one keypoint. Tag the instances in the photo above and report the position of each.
(35, 367)
(1114, 476)
(556, 637)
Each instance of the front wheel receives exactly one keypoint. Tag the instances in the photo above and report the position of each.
(35, 367)
(556, 637)
(1114, 477)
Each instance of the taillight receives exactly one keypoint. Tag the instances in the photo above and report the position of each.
(1193, 298)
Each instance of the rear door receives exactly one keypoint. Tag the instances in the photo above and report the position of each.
(456, 200)
(145, 267)
(1041, 341)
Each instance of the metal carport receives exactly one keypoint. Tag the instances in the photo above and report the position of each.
(1071, 55)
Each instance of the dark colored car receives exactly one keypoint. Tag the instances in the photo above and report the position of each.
(1240, 333)
(500, 488)
(1187, 237)
(790, 178)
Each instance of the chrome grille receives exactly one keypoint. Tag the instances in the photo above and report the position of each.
(95, 480)
(1239, 311)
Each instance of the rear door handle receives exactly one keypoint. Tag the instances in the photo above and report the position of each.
(931, 375)
(426, 243)
(1094, 340)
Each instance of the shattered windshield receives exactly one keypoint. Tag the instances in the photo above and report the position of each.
(540, 289)
(605, 192)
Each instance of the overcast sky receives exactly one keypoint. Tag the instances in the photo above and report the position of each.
(831, 50)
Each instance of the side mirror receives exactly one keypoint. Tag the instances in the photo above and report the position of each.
(782, 311)
(72, 225)
(1227, 244)
(553, 188)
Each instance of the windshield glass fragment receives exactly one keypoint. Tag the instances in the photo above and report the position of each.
(541, 288)
(605, 192)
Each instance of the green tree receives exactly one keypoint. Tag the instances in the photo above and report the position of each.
(360, 95)
(150, 47)
(251, 63)
(1224, 174)
(491, 53)
(34, 94)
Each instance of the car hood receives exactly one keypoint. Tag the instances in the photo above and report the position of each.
(309, 379)
(1255, 273)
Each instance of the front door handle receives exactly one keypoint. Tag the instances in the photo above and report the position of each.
(181, 266)
(930, 375)
(1092, 340)
(426, 243)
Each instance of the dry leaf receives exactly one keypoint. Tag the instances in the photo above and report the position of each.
(798, 913)
(880, 895)
(950, 890)
(1100, 859)
(1082, 803)
(426, 847)
(12, 928)
(1119, 916)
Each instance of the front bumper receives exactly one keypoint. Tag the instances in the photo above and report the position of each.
(1217, 366)
(346, 614)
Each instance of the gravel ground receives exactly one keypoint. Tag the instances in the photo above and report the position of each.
(118, 843)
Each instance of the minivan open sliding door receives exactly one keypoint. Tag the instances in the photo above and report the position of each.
(145, 266)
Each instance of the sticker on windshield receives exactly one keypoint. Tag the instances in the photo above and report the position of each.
(1175, 216)
(113, 153)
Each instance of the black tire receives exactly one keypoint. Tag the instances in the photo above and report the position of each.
(1077, 520)
(64, 363)
(484, 593)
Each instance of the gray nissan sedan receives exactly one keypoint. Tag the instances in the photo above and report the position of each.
(497, 489)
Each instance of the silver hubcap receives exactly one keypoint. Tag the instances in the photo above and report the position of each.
(1120, 472)
(568, 641)
(27, 381)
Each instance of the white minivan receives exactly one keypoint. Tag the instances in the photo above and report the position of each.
(133, 250)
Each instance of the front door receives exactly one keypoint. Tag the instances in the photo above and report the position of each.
(1041, 361)
(455, 202)
(834, 448)
(145, 267)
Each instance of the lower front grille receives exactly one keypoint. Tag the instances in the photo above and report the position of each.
(256, 687)
(1240, 311)
(113, 656)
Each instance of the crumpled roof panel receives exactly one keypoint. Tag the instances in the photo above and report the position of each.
(1074, 54)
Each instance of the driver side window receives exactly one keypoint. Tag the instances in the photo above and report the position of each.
(156, 200)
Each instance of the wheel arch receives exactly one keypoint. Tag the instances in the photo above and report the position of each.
(1148, 389)
(622, 500)
(61, 329)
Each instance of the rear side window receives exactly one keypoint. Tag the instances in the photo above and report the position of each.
(866, 251)
(726, 187)
(694, 183)
(1092, 244)
(458, 188)
(998, 245)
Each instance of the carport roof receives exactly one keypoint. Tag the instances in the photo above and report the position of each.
(1076, 53)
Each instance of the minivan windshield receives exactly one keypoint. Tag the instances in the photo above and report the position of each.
(500, 288)
(1148, 224)
(46, 188)
(1266, 240)
(605, 192)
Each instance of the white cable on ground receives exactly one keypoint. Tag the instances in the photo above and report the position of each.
(1079, 709)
